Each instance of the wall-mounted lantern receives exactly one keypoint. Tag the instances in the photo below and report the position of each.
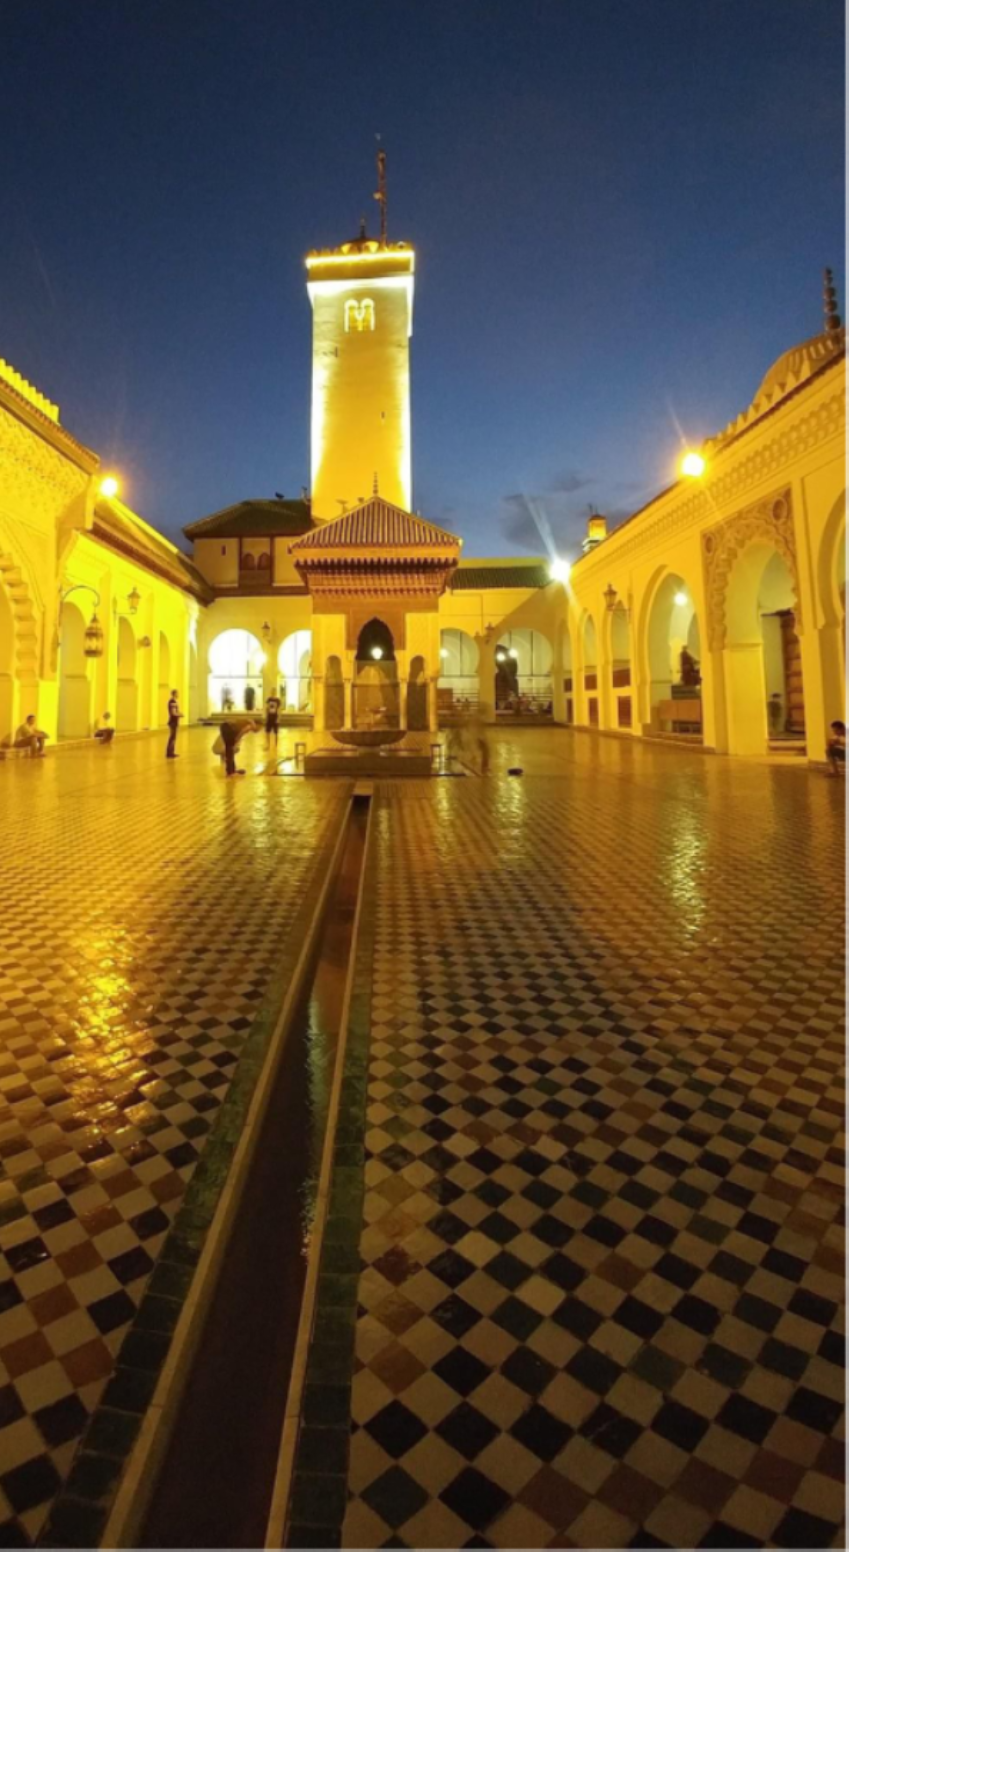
(93, 639)
(134, 599)
(93, 635)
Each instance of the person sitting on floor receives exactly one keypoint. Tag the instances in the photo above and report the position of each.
(836, 752)
(106, 733)
(29, 737)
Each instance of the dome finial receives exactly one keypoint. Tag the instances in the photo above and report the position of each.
(833, 320)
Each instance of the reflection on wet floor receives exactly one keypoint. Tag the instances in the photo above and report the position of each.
(144, 908)
(601, 1299)
(600, 1302)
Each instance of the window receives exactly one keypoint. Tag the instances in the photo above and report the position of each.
(264, 560)
(359, 317)
(247, 561)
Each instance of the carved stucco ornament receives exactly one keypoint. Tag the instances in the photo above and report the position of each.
(767, 520)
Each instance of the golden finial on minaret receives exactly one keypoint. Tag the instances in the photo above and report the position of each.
(833, 320)
(380, 194)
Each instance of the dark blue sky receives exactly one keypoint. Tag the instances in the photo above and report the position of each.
(621, 215)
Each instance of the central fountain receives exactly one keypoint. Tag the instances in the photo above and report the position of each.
(375, 577)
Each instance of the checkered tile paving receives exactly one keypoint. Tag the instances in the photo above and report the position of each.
(602, 1285)
(143, 909)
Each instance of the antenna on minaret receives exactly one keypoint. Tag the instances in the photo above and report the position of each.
(380, 194)
(833, 320)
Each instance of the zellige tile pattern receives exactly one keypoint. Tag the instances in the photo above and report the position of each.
(145, 909)
(599, 1295)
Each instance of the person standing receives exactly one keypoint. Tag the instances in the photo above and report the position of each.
(272, 714)
(231, 733)
(173, 723)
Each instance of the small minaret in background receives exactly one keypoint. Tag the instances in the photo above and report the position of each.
(597, 530)
(362, 303)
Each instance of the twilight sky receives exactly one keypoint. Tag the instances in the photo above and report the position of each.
(621, 216)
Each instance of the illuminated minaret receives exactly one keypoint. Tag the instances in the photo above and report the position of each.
(362, 303)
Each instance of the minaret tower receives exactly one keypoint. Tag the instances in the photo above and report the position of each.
(362, 303)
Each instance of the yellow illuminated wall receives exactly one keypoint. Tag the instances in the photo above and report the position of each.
(362, 302)
(761, 530)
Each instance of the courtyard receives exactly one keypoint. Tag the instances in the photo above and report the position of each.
(597, 1295)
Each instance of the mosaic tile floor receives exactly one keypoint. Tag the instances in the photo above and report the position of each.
(600, 1292)
(144, 909)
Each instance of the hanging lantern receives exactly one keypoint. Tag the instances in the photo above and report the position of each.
(93, 639)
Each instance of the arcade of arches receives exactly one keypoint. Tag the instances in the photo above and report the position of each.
(717, 615)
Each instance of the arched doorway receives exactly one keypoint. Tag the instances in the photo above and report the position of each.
(163, 683)
(193, 690)
(235, 672)
(458, 682)
(127, 696)
(523, 675)
(621, 667)
(376, 679)
(762, 659)
(295, 670)
(673, 654)
(589, 639)
(6, 670)
(333, 695)
(74, 685)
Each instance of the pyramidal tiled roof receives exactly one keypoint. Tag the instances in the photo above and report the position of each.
(254, 518)
(481, 575)
(373, 525)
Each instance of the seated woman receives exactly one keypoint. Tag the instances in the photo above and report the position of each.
(105, 733)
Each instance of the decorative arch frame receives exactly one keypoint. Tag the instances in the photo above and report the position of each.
(767, 521)
(24, 615)
(392, 616)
